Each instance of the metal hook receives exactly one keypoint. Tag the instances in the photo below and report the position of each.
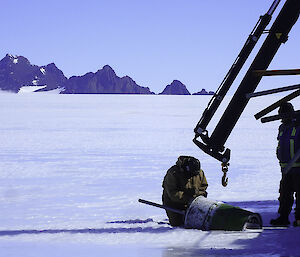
(224, 178)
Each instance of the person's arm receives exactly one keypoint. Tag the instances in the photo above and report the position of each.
(278, 145)
(203, 185)
(297, 141)
(176, 195)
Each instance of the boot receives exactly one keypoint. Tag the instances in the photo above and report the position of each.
(296, 223)
(281, 221)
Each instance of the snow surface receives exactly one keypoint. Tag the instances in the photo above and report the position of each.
(35, 82)
(14, 58)
(30, 89)
(43, 71)
(73, 167)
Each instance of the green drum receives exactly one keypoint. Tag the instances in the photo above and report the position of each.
(207, 214)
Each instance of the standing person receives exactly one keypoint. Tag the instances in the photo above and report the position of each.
(288, 145)
(182, 183)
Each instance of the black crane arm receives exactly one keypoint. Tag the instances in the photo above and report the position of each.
(278, 34)
(234, 70)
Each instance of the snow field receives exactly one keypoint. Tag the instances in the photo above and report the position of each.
(74, 166)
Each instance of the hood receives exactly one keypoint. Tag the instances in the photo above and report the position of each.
(190, 165)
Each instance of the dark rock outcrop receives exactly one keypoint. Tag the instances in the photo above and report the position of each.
(104, 81)
(204, 92)
(16, 72)
(175, 88)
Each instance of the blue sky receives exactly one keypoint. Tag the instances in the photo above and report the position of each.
(153, 42)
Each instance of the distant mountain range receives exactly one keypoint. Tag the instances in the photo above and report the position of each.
(17, 72)
(104, 81)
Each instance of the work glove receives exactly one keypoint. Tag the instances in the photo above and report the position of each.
(190, 191)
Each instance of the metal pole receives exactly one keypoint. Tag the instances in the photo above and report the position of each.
(273, 91)
(292, 115)
(278, 34)
(162, 206)
(276, 104)
(276, 72)
(273, 7)
(235, 69)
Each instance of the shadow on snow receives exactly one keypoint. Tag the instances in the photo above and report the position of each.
(148, 229)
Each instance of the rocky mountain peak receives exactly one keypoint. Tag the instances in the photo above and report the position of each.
(106, 72)
(107, 68)
(10, 60)
(104, 81)
(204, 92)
(175, 88)
(16, 72)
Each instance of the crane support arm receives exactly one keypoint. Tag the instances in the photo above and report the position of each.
(278, 34)
(235, 69)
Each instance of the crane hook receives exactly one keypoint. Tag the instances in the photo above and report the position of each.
(224, 169)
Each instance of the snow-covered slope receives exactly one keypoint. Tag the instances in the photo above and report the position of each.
(73, 167)
(30, 89)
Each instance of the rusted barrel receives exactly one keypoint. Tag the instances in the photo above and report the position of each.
(206, 214)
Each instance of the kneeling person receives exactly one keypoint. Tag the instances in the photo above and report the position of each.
(183, 182)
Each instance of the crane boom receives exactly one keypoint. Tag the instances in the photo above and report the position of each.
(234, 70)
(278, 34)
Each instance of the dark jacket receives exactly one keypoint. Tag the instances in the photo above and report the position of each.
(288, 143)
(181, 187)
